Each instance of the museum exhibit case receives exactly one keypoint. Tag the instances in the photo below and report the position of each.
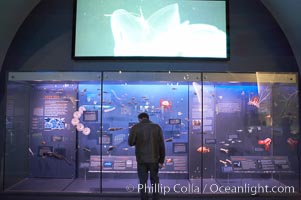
(223, 132)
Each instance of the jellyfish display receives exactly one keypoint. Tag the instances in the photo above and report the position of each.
(164, 33)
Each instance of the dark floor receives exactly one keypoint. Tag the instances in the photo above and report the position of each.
(121, 185)
(51, 196)
(115, 189)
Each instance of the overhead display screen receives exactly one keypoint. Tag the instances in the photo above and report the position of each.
(150, 28)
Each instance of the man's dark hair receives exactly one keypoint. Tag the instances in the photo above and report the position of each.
(143, 116)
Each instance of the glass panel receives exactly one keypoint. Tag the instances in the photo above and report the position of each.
(89, 105)
(17, 125)
(166, 97)
(223, 132)
(256, 132)
(46, 129)
(202, 139)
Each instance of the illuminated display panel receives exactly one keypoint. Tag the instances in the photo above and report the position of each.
(151, 28)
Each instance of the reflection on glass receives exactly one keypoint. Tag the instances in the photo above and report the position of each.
(229, 130)
(166, 101)
(256, 130)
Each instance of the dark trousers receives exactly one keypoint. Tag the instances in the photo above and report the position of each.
(143, 169)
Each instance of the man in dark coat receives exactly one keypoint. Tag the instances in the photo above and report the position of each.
(148, 140)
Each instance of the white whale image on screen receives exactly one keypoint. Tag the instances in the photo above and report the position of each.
(163, 34)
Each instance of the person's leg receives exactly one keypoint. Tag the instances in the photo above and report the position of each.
(143, 176)
(154, 169)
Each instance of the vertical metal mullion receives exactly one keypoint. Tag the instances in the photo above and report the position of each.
(202, 136)
(101, 131)
(3, 105)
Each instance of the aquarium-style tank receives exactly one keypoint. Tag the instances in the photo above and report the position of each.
(223, 132)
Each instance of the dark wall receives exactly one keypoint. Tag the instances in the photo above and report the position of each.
(44, 43)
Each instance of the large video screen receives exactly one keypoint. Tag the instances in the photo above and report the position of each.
(151, 28)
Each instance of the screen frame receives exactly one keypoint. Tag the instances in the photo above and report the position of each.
(149, 58)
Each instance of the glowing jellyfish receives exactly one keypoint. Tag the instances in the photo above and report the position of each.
(81, 109)
(76, 114)
(163, 34)
(75, 121)
(267, 142)
(86, 131)
(80, 127)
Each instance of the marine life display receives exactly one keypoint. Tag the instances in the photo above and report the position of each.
(223, 162)
(86, 131)
(30, 151)
(81, 109)
(203, 149)
(101, 131)
(169, 139)
(250, 129)
(180, 113)
(86, 149)
(57, 156)
(224, 150)
(165, 104)
(75, 121)
(80, 127)
(77, 114)
(229, 161)
(292, 141)
(198, 91)
(254, 101)
(266, 142)
(135, 35)
(110, 148)
(264, 92)
(115, 95)
(106, 110)
(115, 128)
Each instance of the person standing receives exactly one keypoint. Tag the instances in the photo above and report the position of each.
(147, 137)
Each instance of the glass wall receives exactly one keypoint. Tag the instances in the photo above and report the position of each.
(46, 120)
(256, 131)
(223, 132)
(167, 97)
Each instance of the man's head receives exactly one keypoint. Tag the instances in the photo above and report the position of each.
(142, 116)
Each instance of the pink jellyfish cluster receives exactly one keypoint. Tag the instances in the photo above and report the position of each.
(76, 121)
